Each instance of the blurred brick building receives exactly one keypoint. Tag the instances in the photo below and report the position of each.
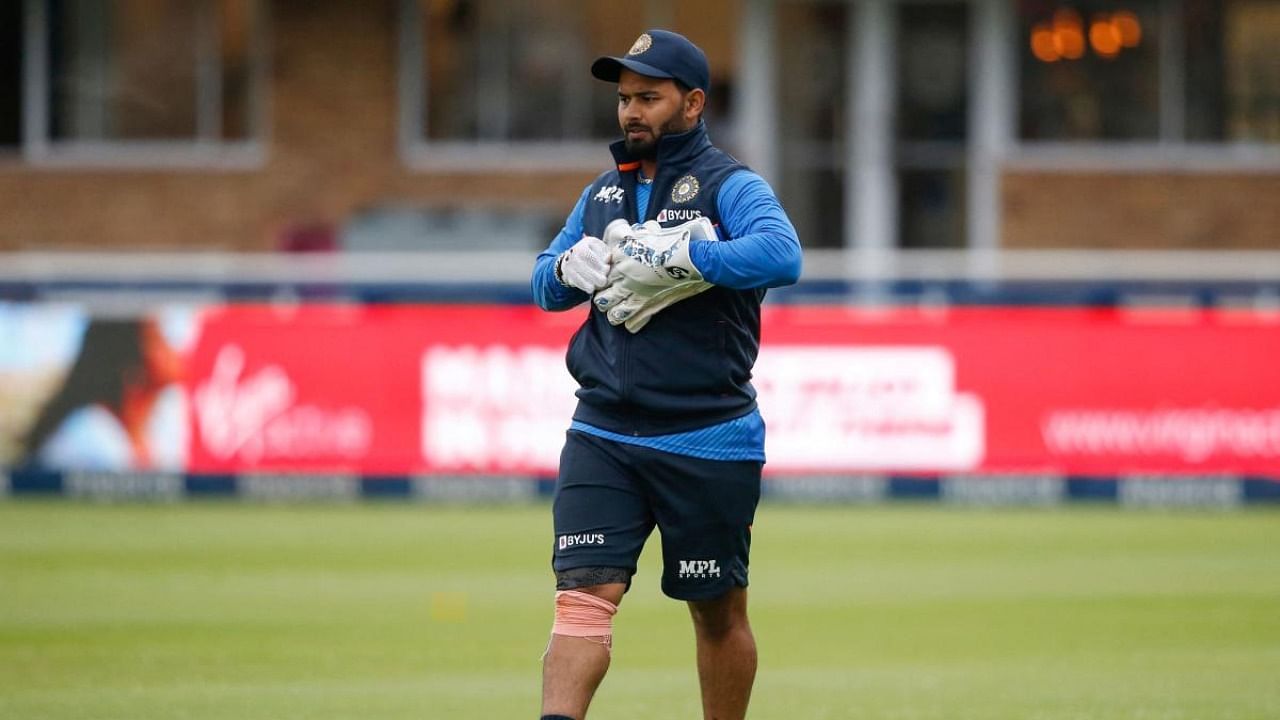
(279, 124)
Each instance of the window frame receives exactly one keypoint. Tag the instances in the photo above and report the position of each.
(205, 150)
(469, 156)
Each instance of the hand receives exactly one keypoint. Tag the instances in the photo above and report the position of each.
(584, 266)
(636, 311)
(663, 253)
(651, 271)
(617, 231)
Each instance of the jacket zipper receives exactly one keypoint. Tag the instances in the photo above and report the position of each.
(624, 363)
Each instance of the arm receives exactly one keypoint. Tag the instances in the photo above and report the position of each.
(548, 292)
(762, 251)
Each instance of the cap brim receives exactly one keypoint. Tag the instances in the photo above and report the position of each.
(609, 69)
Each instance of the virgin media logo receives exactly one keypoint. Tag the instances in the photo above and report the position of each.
(256, 417)
(1192, 434)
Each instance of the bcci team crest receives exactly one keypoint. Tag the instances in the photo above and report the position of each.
(685, 190)
(642, 43)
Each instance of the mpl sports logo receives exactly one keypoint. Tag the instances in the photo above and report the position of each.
(699, 569)
(609, 194)
(569, 541)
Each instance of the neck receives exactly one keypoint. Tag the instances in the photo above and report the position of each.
(649, 166)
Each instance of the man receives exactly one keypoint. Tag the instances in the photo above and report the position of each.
(666, 431)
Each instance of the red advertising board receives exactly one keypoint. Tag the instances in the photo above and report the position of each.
(377, 389)
(1085, 390)
(483, 389)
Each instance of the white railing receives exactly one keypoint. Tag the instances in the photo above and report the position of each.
(514, 267)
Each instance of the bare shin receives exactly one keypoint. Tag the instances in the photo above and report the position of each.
(726, 655)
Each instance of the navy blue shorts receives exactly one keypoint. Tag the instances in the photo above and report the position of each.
(609, 497)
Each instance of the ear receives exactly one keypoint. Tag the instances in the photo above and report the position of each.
(695, 101)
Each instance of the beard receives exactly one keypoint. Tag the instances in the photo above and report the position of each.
(647, 148)
(642, 149)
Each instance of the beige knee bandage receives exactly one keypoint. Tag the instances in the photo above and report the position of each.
(580, 614)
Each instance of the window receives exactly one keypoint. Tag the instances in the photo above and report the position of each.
(11, 47)
(1090, 71)
(932, 113)
(812, 51)
(493, 82)
(144, 81)
(512, 71)
(1173, 71)
(1233, 70)
(932, 87)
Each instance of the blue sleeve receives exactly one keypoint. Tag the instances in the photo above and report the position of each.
(548, 293)
(761, 249)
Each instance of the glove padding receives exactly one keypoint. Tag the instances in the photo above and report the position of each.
(638, 310)
(651, 270)
(584, 266)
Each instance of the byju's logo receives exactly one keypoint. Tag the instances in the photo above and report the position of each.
(699, 569)
(608, 194)
(669, 215)
(568, 541)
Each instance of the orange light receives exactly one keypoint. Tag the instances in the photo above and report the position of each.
(1105, 38)
(1070, 42)
(1130, 29)
(1068, 34)
(1043, 45)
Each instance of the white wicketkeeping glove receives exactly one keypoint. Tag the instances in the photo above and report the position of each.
(585, 265)
(639, 312)
(651, 271)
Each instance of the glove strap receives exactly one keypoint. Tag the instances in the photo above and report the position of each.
(560, 261)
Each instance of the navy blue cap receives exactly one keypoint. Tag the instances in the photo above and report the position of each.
(659, 54)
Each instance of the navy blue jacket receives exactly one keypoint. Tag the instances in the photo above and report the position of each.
(690, 367)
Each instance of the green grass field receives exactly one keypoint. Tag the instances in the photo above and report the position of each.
(239, 612)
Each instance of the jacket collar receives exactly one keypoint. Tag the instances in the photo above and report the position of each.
(675, 152)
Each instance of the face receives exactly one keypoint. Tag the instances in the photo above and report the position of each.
(649, 108)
